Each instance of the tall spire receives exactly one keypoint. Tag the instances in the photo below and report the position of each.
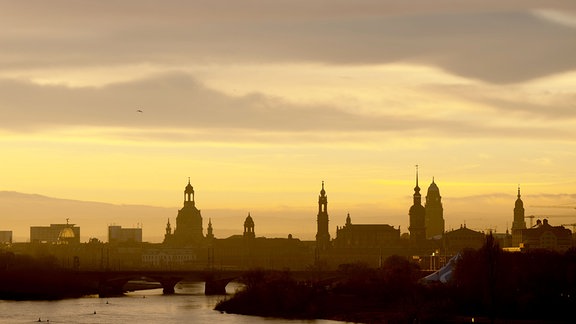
(417, 188)
(209, 232)
(518, 191)
(417, 226)
(416, 175)
(168, 228)
(322, 234)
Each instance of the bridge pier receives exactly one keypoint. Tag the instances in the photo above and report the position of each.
(168, 285)
(215, 287)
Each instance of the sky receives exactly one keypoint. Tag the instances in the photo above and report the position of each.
(258, 102)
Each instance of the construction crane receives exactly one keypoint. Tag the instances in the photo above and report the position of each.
(555, 206)
(531, 220)
(544, 216)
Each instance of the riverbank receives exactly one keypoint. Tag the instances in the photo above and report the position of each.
(360, 294)
(488, 285)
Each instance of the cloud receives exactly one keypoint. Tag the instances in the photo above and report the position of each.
(177, 107)
(515, 102)
(487, 41)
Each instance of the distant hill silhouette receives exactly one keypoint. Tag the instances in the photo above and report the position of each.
(19, 211)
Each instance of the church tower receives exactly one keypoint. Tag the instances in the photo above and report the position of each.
(249, 227)
(519, 223)
(434, 212)
(189, 221)
(417, 215)
(209, 231)
(322, 235)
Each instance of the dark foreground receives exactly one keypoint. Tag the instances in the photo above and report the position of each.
(24, 277)
(488, 286)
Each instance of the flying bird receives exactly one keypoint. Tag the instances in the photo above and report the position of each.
(140, 111)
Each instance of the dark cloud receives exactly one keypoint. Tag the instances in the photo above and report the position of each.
(542, 105)
(491, 42)
(171, 100)
(177, 107)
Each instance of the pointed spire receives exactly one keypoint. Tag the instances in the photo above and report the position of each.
(518, 190)
(168, 227)
(417, 188)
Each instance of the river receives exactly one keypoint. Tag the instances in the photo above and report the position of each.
(188, 305)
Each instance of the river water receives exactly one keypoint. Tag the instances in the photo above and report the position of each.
(188, 305)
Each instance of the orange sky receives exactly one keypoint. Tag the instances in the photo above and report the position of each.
(258, 103)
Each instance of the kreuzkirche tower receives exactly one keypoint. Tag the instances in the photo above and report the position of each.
(322, 235)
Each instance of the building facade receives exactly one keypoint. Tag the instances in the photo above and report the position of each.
(117, 234)
(366, 235)
(546, 236)
(5, 237)
(55, 234)
(462, 238)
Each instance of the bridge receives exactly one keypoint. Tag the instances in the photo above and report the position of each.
(110, 283)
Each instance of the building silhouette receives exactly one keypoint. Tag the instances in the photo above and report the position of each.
(188, 229)
(519, 223)
(434, 220)
(209, 230)
(185, 246)
(117, 234)
(462, 238)
(5, 237)
(55, 234)
(366, 235)
(546, 236)
(249, 227)
(322, 233)
(417, 215)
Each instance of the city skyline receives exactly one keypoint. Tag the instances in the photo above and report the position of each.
(120, 102)
(98, 216)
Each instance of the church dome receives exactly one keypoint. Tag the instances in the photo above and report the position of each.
(249, 221)
(433, 189)
(66, 234)
(519, 202)
(189, 188)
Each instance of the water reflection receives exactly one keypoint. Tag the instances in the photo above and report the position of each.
(189, 304)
